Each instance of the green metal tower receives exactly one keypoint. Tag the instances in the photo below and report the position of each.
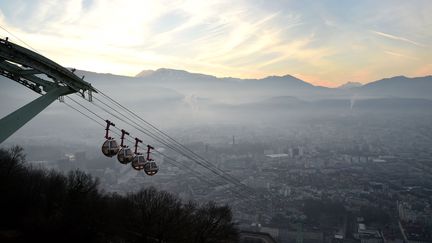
(39, 74)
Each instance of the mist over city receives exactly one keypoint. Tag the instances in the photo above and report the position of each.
(244, 122)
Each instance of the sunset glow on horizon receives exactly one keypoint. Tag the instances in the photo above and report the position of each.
(326, 43)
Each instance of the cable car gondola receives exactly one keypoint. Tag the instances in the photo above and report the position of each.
(110, 146)
(125, 155)
(139, 160)
(150, 167)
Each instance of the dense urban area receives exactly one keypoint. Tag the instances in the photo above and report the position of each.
(352, 178)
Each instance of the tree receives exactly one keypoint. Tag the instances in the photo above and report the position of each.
(48, 206)
(214, 223)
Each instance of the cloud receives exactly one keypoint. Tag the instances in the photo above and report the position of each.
(397, 54)
(223, 38)
(393, 37)
(166, 33)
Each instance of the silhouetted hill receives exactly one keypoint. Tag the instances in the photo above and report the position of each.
(400, 86)
(199, 84)
(47, 206)
(287, 81)
(350, 85)
(227, 88)
(166, 74)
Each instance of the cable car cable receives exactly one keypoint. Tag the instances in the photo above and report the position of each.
(161, 140)
(169, 137)
(102, 125)
(155, 128)
(209, 165)
(168, 145)
(197, 174)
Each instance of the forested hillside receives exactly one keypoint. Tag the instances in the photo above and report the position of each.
(46, 206)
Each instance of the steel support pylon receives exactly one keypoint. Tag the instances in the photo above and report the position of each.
(15, 120)
(39, 74)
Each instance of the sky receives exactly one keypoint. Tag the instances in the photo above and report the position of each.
(324, 42)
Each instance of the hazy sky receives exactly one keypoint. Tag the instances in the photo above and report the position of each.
(322, 42)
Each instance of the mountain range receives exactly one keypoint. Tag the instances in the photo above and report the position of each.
(188, 94)
(169, 84)
(399, 86)
(195, 99)
(153, 89)
(247, 90)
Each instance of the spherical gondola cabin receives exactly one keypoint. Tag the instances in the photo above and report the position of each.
(150, 168)
(125, 155)
(138, 162)
(110, 147)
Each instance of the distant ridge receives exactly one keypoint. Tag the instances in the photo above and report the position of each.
(195, 98)
(399, 86)
(174, 83)
(178, 74)
(288, 85)
(170, 72)
(347, 85)
(145, 73)
(350, 85)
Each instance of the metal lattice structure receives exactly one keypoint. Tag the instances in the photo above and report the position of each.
(39, 74)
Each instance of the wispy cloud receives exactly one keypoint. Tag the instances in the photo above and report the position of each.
(399, 38)
(397, 54)
(224, 38)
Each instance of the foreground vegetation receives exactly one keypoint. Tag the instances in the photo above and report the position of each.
(46, 206)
